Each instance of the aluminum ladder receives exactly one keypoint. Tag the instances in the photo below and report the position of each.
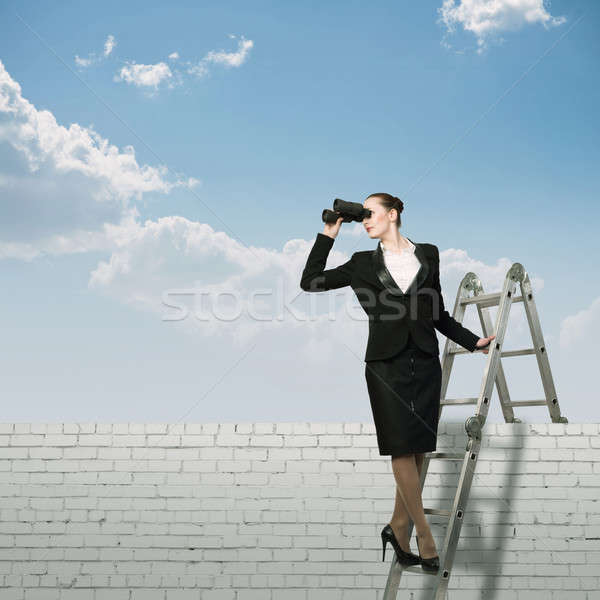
(471, 292)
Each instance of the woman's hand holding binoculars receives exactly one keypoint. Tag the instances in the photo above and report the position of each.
(332, 229)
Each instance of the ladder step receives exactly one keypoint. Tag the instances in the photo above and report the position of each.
(458, 350)
(517, 352)
(446, 455)
(418, 569)
(437, 511)
(451, 401)
(528, 403)
(487, 300)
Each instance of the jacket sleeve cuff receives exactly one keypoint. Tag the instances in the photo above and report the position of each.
(324, 239)
(473, 342)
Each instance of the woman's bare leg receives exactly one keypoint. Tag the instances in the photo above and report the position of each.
(408, 489)
(400, 521)
(419, 460)
(400, 518)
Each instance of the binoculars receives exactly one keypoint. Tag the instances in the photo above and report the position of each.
(349, 211)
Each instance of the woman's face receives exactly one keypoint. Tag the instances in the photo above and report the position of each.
(380, 221)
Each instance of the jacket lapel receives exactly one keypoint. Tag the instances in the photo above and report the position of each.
(386, 278)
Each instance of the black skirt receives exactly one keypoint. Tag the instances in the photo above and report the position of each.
(404, 391)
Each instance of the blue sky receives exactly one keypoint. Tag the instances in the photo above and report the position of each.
(146, 148)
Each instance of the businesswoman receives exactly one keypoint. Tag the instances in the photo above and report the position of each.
(398, 286)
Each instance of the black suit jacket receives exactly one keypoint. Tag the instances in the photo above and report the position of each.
(392, 314)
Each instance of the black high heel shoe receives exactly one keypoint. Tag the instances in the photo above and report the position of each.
(404, 558)
(428, 564)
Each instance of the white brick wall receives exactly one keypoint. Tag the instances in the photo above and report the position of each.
(273, 511)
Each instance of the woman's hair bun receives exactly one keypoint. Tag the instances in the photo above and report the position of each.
(388, 201)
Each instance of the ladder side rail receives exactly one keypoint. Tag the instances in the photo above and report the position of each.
(456, 520)
(493, 356)
(501, 384)
(470, 282)
(541, 352)
(393, 580)
(474, 426)
(458, 313)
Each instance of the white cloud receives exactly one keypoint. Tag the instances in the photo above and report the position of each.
(109, 45)
(352, 230)
(175, 255)
(152, 76)
(142, 75)
(456, 263)
(229, 59)
(59, 185)
(581, 328)
(485, 18)
(83, 62)
(574, 363)
(198, 69)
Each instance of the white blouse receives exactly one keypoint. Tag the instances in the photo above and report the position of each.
(403, 265)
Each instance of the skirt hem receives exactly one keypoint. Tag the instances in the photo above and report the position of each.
(404, 451)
